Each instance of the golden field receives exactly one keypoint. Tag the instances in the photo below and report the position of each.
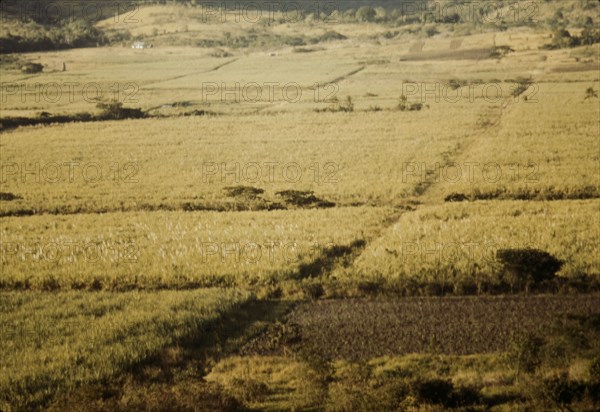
(278, 226)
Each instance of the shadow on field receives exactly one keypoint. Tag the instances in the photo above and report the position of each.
(174, 378)
(215, 340)
(331, 257)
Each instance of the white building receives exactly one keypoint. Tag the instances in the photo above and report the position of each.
(140, 45)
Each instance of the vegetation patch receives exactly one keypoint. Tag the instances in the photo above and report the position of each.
(116, 111)
(109, 111)
(337, 106)
(9, 197)
(32, 68)
(527, 268)
(329, 35)
(404, 105)
(247, 192)
(303, 199)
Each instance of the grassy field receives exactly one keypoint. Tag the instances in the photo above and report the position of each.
(58, 342)
(456, 244)
(132, 165)
(257, 215)
(174, 250)
(529, 155)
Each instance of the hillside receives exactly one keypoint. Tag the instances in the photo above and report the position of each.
(36, 26)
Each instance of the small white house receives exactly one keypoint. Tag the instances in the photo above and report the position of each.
(140, 45)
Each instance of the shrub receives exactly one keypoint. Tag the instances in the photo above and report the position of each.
(498, 52)
(561, 38)
(45, 118)
(466, 287)
(370, 287)
(465, 396)
(590, 35)
(524, 353)
(247, 192)
(521, 87)
(594, 370)
(366, 13)
(390, 395)
(391, 34)
(456, 84)
(403, 105)
(32, 68)
(456, 197)
(560, 390)
(331, 35)
(251, 390)
(527, 267)
(590, 93)
(313, 290)
(294, 41)
(220, 53)
(348, 107)
(197, 112)
(306, 49)
(116, 111)
(432, 391)
(337, 106)
(301, 198)
(430, 31)
(9, 197)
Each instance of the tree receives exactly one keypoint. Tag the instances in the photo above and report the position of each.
(590, 35)
(380, 13)
(366, 13)
(31, 68)
(590, 93)
(528, 267)
(430, 30)
(115, 111)
(563, 38)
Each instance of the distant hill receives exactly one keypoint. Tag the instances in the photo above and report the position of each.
(53, 11)
(38, 25)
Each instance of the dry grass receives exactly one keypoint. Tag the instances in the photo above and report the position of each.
(458, 242)
(56, 342)
(120, 251)
(157, 207)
